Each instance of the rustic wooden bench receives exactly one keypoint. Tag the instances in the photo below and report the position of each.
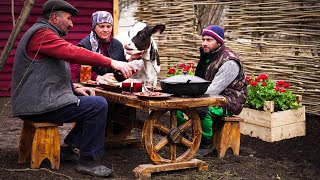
(40, 141)
(227, 135)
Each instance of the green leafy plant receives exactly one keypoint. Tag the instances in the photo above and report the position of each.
(183, 68)
(262, 88)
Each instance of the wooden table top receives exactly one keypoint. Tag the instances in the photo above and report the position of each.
(172, 102)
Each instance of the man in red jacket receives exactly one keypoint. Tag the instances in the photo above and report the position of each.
(42, 90)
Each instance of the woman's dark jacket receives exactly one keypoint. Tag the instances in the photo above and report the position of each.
(115, 51)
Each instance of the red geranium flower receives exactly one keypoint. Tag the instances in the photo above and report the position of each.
(263, 77)
(254, 83)
(186, 68)
(171, 71)
(191, 64)
(283, 90)
(264, 84)
(248, 78)
(258, 79)
(280, 83)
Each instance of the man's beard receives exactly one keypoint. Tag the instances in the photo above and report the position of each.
(64, 33)
(207, 50)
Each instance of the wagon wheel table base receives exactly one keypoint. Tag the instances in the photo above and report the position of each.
(172, 136)
(144, 171)
(169, 146)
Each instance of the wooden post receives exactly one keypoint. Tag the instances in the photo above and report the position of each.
(115, 17)
(16, 30)
(268, 106)
(299, 99)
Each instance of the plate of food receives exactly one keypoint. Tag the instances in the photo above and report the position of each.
(90, 83)
(115, 87)
(152, 95)
(109, 80)
(155, 88)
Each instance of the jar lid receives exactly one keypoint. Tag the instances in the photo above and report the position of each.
(184, 79)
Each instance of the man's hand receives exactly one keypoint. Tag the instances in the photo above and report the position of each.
(84, 91)
(125, 68)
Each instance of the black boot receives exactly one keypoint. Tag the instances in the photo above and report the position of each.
(68, 153)
(206, 147)
(88, 165)
(206, 143)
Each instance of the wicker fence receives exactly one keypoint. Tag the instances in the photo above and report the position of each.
(277, 37)
(178, 42)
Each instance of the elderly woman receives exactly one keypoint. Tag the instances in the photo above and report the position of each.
(101, 40)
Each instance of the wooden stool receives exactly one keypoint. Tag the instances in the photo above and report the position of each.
(227, 135)
(41, 141)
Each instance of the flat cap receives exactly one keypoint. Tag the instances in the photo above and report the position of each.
(58, 5)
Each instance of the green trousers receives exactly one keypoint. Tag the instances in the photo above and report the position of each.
(207, 120)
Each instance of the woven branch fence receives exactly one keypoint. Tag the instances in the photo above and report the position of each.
(277, 37)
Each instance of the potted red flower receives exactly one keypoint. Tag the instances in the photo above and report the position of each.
(272, 112)
(261, 89)
(183, 68)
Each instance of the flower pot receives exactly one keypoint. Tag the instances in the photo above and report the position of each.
(273, 126)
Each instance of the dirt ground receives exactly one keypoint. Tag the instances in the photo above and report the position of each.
(296, 158)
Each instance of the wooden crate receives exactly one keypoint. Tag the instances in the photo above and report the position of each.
(273, 126)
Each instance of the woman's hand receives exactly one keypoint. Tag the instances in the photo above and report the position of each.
(84, 91)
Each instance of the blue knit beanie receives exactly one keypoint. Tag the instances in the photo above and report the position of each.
(216, 32)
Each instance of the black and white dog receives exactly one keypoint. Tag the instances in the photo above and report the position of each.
(139, 40)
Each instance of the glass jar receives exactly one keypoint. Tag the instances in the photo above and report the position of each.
(85, 73)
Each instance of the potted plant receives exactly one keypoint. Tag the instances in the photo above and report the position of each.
(183, 68)
(272, 112)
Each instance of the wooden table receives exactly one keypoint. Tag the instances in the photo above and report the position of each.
(172, 135)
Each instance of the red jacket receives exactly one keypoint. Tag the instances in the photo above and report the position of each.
(50, 44)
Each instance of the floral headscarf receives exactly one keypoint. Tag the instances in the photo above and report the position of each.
(98, 17)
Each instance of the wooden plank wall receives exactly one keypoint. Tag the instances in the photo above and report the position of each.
(82, 26)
